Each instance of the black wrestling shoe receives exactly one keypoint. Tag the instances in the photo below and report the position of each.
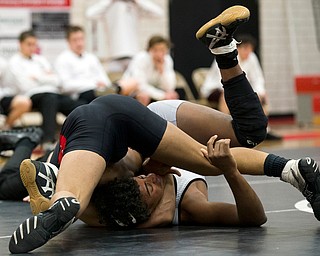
(40, 181)
(218, 32)
(304, 175)
(9, 138)
(37, 230)
(309, 170)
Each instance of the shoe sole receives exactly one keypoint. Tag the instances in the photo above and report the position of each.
(235, 13)
(38, 203)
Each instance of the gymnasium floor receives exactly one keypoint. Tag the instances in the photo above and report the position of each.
(291, 228)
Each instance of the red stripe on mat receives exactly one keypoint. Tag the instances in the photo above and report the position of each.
(302, 135)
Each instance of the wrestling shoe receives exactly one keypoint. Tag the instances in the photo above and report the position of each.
(9, 138)
(304, 174)
(37, 230)
(217, 33)
(40, 181)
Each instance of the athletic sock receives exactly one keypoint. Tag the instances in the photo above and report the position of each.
(274, 165)
(228, 60)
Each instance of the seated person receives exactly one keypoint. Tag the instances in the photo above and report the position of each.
(82, 74)
(11, 104)
(32, 75)
(212, 88)
(153, 69)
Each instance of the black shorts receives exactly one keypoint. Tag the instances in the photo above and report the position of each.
(5, 104)
(108, 126)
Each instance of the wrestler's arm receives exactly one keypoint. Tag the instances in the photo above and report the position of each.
(197, 210)
(248, 210)
(133, 160)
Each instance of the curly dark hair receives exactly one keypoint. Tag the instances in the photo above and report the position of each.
(119, 203)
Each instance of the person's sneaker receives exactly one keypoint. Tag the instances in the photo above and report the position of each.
(37, 230)
(40, 181)
(9, 138)
(218, 32)
(304, 174)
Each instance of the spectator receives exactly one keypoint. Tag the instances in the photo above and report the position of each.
(11, 105)
(31, 75)
(212, 87)
(153, 69)
(81, 72)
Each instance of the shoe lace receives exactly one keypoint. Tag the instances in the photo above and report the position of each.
(221, 34)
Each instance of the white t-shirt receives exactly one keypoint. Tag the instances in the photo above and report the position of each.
(31, 76)
(5, 90)
(150, 80)
(79, 73)
(250, 66)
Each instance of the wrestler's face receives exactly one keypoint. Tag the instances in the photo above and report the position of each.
(28, 46)
(151, 189)
(76, 42)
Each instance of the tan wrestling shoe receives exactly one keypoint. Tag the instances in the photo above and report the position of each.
(40, 181)
(218, 32)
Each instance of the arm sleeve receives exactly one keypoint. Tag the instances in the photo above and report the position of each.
(47, 77)
(97, 10)
(147, 8)
(138, 70)
(18, 79)
(168, 79)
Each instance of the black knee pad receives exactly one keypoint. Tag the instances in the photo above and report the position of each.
(249, 121)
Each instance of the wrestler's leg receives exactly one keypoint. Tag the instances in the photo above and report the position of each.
(248, 119)
(202, 122)
(79, 173)
(179, 149)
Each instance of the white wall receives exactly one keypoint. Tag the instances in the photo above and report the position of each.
(288, 48)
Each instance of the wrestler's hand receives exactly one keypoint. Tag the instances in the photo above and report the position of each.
(153, 166)
(218, 154)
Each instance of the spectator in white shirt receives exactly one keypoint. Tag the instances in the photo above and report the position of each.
(154, 71)
(121, 22)
(31, 75)
(82, 74)
(12, 105)
(212, 88)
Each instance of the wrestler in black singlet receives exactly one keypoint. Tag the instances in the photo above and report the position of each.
(108, 126)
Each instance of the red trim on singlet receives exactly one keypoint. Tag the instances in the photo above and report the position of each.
(62, 146)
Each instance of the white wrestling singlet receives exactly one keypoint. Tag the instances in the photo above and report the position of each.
(167, 109)
(182, 183)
